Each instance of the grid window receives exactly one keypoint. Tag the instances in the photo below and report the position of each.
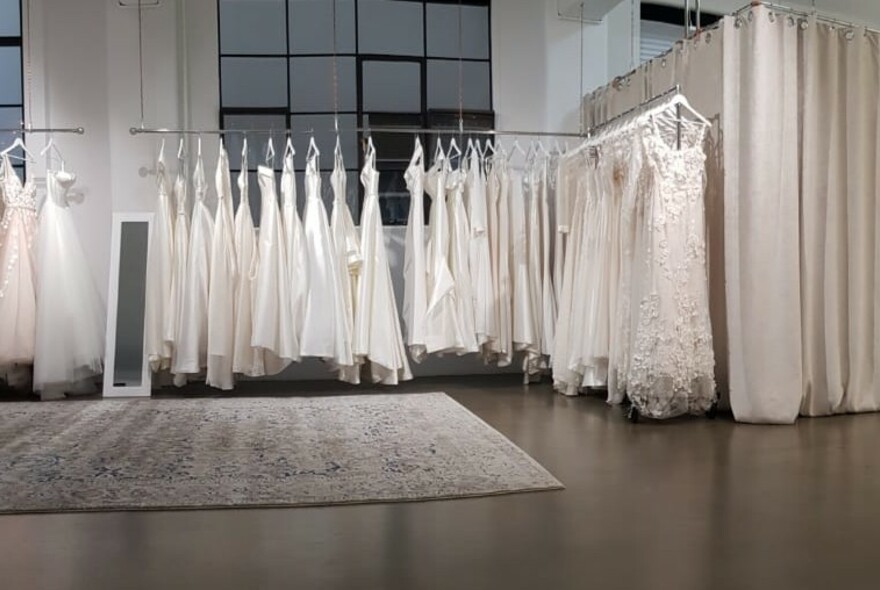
(11, 79)
(394, 63)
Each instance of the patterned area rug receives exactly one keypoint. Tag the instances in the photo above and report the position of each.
(231, 453)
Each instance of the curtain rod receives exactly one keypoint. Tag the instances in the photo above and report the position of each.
(802, 13)
(389, 130)
(75, 130)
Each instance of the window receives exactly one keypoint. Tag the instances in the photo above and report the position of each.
(662, 26)
(11, 79)
(396, 64)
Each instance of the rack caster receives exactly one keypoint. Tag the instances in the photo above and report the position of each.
(712, 412)
(633, 415)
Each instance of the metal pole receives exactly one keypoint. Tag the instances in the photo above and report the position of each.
(687, 18)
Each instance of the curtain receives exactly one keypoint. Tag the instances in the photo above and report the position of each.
(840, 172)
(762, 230)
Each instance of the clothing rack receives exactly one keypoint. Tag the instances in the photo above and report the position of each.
(368, 130)
(48, 130)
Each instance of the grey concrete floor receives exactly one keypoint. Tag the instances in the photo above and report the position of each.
(691, 504)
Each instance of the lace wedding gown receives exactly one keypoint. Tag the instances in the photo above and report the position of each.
(70, 315)
(671, 371)
(415, 270)
(18, 296)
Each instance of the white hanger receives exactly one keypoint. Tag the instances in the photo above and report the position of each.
(28, 156)
(488, 146)
(270, 153)
(454, 150)
(52, 147)
(289, 149)
(244, 154)
(314, 152)
(516, 148)
(162, 149)
(438, 152)
(181, 152)
(199, 148)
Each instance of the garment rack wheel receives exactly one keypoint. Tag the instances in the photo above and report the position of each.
(633, 414)
(712, 412)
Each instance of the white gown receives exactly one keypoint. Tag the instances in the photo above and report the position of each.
(192, 351)
(415, 271)
(548, 287)
(18, 269)
(459, 261)
(500, 349)
(534, 360)
(295, 255)
(324, 327)
(224, 276)
(479, 253)
(349, 260)
(524, 335)
(160, 270)
(247, 359)
(70, 314)
(443, 327)
(272, 296)
(378, 335)
(174, 315)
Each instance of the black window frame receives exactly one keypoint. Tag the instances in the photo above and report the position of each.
(17, 41)
(426, 119)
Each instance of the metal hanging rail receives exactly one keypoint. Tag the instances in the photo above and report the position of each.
(368, 130)
(73, 130)
(636, 109)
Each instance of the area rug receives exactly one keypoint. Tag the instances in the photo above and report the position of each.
(263, 452)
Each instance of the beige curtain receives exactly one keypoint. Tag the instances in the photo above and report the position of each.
(762, 233)
(840, 171)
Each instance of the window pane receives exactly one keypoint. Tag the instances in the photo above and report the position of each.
(443, 38)
(256, 141)
(393, 87)
(10, 75)
(252, 26)
(10, 21)
(311, 26)
(390, 27)
(253, 82)
(443, 85)
(311, 84)
(325, 138)
(10, 118)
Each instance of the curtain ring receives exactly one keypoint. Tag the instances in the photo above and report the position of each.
(804, 24)
(751, 16)
(791, 21)
(850, 35)
(738, 23)
(708, 38)
(772, 17)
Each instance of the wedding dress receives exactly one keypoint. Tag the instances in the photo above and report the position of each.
(18, 229)
(672, 367)
(70, 315)
(500, 350)
(295, 255)
(224, 275)
(173, 316)
(247, 359)
(160, 270)
(378, 336)
(349, 259)
(192, 351)
(271, 310)
(479, 255)
(415, 271)
(443, 331)
(324, 328)
(459, 257)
